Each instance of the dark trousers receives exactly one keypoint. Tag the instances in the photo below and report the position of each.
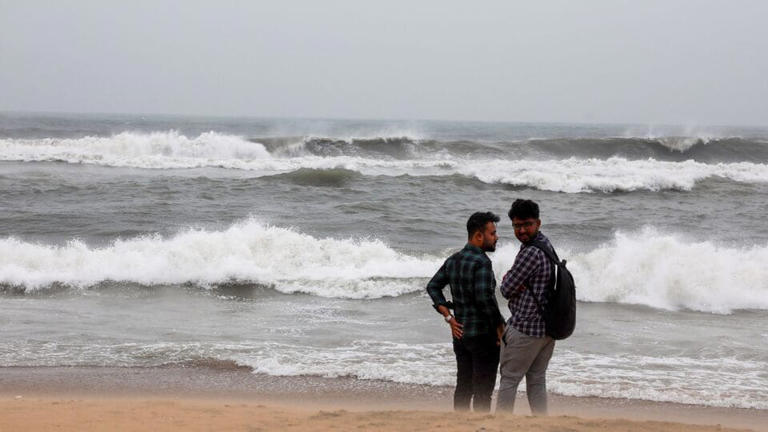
(477, 359)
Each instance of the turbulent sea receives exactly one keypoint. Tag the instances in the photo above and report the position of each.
(302, 247)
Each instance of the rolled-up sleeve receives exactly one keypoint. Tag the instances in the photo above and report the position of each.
(435, 288)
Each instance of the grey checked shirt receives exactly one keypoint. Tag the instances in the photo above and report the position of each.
(528, 277)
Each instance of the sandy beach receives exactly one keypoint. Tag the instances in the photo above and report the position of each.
(226, 397)
(141, 414)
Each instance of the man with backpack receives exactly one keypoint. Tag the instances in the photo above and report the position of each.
(528, 340)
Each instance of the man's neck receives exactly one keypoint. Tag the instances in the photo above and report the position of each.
(475, 244)
(533, 237)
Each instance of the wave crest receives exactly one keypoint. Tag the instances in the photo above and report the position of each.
(332, 162)
(249, 251)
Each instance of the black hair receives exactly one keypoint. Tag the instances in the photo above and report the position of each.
(478, 221)
(524, 209)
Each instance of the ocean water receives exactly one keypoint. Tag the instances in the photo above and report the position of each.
(302, 247)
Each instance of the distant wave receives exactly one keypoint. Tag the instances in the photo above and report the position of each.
(170, 149)
(329, 162)
(671, 148)
(158, 150)
(394, 147)
(646, 268)
(610, 175)
(568, 175)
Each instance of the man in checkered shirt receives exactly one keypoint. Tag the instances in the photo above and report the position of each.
(526, 349)
(477, 325)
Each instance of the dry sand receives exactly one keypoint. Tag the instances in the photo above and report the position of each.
(144, 414)
(229, 398)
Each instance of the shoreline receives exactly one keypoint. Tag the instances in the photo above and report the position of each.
(200, 384)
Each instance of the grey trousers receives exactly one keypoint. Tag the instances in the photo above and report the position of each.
(524, 356)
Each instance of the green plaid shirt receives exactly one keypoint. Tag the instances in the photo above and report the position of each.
(470, 275)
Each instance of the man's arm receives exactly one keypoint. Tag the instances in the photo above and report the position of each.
(435, 290)
(525, 264)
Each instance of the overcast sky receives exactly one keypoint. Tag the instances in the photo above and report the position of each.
(685, 62)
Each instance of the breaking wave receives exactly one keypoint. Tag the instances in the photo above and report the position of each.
(645, 268)
(170, 149)
(280, 258)
(668, 272)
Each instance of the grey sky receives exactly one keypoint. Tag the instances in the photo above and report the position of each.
(689, 62)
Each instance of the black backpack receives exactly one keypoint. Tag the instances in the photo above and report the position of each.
(560, 312)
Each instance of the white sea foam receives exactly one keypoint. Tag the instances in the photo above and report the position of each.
(719, 381)
(248, 251)
(645, 268)
(379, 360)
(723, 382)
(170, 150)
(668, 272)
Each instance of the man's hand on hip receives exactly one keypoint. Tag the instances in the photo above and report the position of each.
(457, 329)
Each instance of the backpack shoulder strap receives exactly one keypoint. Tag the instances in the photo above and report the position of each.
(552, 257)
(550, 253)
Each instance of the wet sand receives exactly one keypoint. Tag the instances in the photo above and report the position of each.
(226, 397)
